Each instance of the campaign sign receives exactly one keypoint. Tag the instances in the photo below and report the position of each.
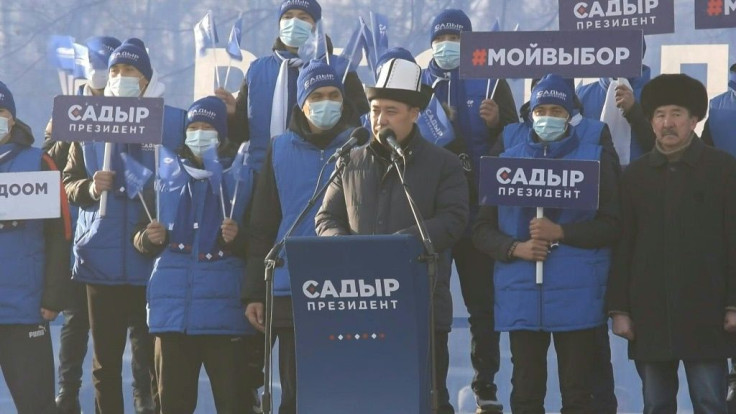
(570, 54)
(715, 14)
(108, 119)
(30, 195)
(652, 16)
(539, 182)
(361, 323)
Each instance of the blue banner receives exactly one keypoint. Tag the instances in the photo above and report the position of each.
(361, 320)
(434, 125)
(652, 16)
(108, 119)
(539, 182)
(715, 14)
(570, 54)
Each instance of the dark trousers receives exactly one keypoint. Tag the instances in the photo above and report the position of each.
(442, 361)
(111, 310)
(604, 397)
(27, 362)
(179, 359)
(475, 271)
(575, 356)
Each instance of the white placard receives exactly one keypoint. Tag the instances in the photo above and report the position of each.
(30, 195)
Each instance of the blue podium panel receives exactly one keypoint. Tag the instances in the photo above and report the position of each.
(361, 320)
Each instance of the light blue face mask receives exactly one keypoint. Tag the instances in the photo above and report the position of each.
(124, 86)
(446, 54)
(4, 128)
(549, 128)
(325, 114)
(294, 32)
(200, 140)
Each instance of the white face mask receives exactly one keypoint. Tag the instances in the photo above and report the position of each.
(124, 86)
(200, 140)
(96, 78)
(4, 127)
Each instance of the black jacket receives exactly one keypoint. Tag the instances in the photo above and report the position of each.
(674, 270)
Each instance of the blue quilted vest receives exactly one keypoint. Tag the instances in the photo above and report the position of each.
(193, 289)
(721, 116)
(22, 245)
(296, 165)
(572, 295)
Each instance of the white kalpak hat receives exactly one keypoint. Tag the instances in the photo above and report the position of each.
(400, 80)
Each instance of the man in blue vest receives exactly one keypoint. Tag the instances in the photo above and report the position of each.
(568, 306)
(719, 131)
(104, 256)
(34, 255)
(267, 96)
(319, 125)
(477, 119)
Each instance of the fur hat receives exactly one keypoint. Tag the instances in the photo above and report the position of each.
(675, 89)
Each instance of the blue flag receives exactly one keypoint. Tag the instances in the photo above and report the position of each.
(369, 47)
(233, 43)
(353, 51)
(212, 164)
(81, 61)
(316, 45)
(205, 34)
(496, 26)
(434, 125)
(136, 175)
(170, 174)
(379, 29)
(238, 169)
(60, 52)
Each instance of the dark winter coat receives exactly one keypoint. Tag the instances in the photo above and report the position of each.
(367, 198)
(674, 270)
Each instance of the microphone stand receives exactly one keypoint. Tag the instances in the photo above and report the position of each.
(431, 258)
(272, 261)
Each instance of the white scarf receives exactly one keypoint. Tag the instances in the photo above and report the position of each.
(280, 104)
(619, 126)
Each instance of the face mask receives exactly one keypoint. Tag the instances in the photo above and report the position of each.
(124, 86)
(446, 54)
(200, 140)
(96, 78)
(549, 128)
(4, 128)
(294, 32)
(325, 114)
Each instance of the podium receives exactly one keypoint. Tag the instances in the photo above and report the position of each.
(361, 322)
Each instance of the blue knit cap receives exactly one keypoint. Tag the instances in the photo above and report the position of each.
(314, 76)
(6, 99)
(309, 6)
(553, 90)
(211, 110)
(450, 21)
(133, 52)
(100, 48)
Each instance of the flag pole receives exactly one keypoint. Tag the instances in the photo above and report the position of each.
(156, 152)
(105, 167)
(214, 47)
(227, 73)
(540, 264)
(145, 207)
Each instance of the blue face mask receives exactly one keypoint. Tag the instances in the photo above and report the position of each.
(446, 54)
(294, 32)
(124, 86)
(549, 128)
(199, 140)
(325, 114)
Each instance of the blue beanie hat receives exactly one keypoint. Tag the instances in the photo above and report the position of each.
(211, 110)
(6, 99)
(132, 52)
(314, 76)
(394, 53)
(309, 6)
(450, 21)
(553, 90)
(100, 48)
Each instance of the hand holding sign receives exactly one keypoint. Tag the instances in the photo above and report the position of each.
(102, 181)
(546, 230)
(489, 112)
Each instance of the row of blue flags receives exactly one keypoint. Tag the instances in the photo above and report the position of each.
(205, 36)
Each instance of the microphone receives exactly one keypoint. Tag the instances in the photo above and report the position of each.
(387, 135)
(358, 138)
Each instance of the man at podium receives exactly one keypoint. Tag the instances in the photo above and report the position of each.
(368, 198)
